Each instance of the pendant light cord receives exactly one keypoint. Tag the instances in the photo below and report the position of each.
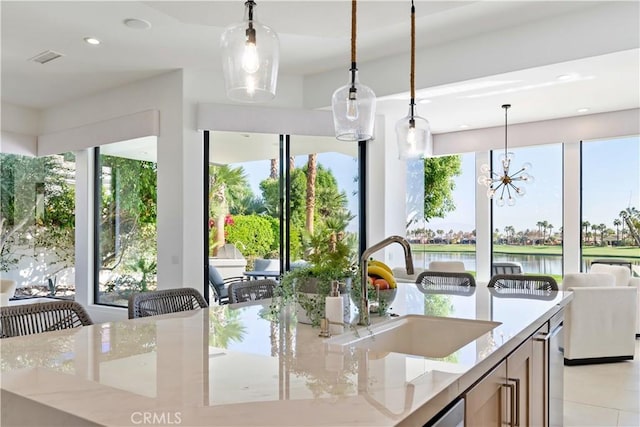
(506, 108)
(354, 68)
(354, 9)
(412, 74)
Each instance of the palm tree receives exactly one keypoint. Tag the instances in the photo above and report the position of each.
(602, 228)
(617, 223)
(509, 231)
(545, 225)
(311, 191)
(550, 228)
(586, 225)
(539, 225)
(594, 229)
(621, 215)
(228, 187)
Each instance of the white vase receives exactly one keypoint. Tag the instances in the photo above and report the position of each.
(307, 318)
(7, 290)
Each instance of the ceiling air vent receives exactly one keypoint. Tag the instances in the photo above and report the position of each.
(46, 56)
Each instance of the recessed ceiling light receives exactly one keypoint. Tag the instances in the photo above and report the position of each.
(565, 77)
(137, 24)
(583, 110)
(92, 40)
(464, 126)
(424, 101)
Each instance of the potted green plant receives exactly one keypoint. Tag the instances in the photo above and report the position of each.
(332, 256)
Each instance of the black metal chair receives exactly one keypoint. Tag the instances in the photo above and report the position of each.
(251, 290)
(219, 285)
(440, 282)
(520, 282)
(143, 304)
(27, 319)
(506, 268)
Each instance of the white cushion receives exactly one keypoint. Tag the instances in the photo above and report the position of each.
(588, 280)
(621, 273)
(447, 266)
(401, 273)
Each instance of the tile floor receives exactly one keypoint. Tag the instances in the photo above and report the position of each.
(604, 395)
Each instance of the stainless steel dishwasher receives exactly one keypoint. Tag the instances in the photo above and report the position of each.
(452, 417)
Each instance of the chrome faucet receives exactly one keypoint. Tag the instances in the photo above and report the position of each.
(408, 262)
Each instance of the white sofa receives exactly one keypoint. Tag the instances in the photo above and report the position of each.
(600, 321)
(622, 277)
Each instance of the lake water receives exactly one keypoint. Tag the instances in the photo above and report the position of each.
(541, 264)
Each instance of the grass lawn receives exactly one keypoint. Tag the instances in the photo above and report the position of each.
(589, 251)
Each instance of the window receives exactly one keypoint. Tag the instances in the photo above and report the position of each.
(610, 200)
(447, 200)
(530, 232)
(126, 211)
(38, 224)
(245, 198)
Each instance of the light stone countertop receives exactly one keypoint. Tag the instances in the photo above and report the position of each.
(228, 366)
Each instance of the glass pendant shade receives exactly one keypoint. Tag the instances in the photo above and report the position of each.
(505, 185)
(414, 137)
(354, 110)
(250, 54)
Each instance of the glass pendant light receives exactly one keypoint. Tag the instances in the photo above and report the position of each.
(413, 132)
(353, 105)
(504, 186)
(250, 53)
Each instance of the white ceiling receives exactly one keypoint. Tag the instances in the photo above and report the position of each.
(314, 38)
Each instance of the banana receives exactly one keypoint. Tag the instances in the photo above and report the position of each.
(383, 273)
(374, 262)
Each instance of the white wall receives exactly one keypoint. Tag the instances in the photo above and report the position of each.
(207, 87)
(569, 129)
(19, 128)
(605, 28)
(162, 93)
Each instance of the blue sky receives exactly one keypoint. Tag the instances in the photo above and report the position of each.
(611, 182)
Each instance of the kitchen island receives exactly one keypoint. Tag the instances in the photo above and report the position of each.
(230, 366)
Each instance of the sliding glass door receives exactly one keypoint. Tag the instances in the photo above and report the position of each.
(271, 198)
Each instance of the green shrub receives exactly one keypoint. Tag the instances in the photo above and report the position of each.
(252, 234)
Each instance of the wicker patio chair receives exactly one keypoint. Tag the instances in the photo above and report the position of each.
(27, 319)
(517, 283)
(251, 290)
(153, 303)
(441, 282)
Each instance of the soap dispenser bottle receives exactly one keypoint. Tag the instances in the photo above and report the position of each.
(334, 309)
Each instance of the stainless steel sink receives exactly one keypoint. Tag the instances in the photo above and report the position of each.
(418, 335)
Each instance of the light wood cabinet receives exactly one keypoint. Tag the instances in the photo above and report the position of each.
(513, 393)
(520, 375)
(485, 403)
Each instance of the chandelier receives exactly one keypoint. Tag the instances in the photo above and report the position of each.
(504, 185)
(250, 53)
(413, 132)
(353, 105)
